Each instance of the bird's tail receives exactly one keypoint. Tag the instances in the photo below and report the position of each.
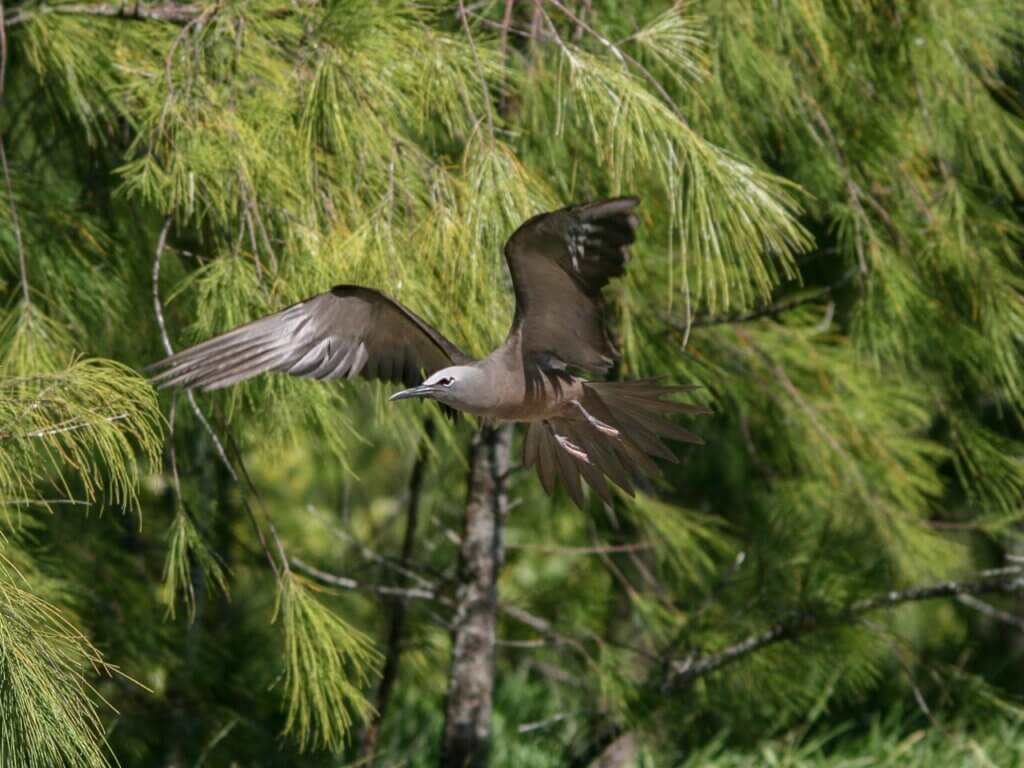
(615, 432)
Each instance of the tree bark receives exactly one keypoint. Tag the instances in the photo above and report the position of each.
(465, 742)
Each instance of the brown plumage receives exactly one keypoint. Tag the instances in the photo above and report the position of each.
(593, 431)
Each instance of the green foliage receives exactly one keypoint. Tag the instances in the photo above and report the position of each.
(186, 551)
(884, 743)
(80, 430)
(830, 245)
(48, 711)
(327, 664)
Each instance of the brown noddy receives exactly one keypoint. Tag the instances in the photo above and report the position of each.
(559, 262)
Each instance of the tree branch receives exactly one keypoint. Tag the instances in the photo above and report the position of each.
(770, 310)
(479, 69)
(433, 593)
(169, 13)
(990, 611)
(278, 567)
(1005, 580)
(685, 671)
(594, 550)
(389, 674)
(344, 582)
(173, 13)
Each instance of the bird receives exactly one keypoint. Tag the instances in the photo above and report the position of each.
(543, 374)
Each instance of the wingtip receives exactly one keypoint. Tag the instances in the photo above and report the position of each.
(612, 206)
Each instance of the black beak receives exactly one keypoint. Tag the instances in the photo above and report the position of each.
(423, 390)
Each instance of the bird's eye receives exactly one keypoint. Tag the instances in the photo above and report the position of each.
(447, 382)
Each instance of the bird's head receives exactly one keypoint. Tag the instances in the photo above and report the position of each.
(460, 386)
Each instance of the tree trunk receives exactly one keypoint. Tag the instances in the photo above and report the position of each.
(465, 742)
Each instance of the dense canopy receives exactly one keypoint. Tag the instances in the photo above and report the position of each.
(291, 573)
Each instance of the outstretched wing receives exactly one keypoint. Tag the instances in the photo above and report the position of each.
(346, 332)
(559, 262)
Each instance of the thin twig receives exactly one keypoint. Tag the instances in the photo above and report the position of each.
(547, 722)
(165, 339)
(625, 59)
(377, 557)
(545, 628)
(71, 426)
(713, 594)
(595, 550)
(542, 626)
(479, 69)
(278, 568)
(772, 309)
(922, 702)
(538, 643)
(344, 582)
(506, 24)
(991, 611)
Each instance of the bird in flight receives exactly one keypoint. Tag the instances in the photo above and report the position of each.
(599, 431)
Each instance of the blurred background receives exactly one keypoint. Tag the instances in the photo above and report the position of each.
(829, 245)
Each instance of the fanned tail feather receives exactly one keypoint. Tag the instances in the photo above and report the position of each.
(615, 433)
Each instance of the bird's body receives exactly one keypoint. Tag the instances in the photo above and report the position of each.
(559, 264)
(502, 392)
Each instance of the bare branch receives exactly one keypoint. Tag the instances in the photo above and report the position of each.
(595, 550)
(159, 311)
(344, 582)
(479, 69)
(433, 593)
(991, 611)
(73, 425)
(548, 722)
(545, 628)
(776, 308)
(278, 567)
(506, 24)
(1005, 580)
(173, 13)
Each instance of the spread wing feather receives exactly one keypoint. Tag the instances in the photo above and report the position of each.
(559, 263)
(346, 332)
